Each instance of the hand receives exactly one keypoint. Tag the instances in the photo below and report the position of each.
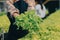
(15, 14)
(13, 11)
(12, 1)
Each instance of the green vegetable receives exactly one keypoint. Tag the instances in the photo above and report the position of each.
(29, 21)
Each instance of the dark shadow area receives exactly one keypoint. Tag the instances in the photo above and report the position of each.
(21, 5)
(52, 6)
(13, 33)
(0, 37)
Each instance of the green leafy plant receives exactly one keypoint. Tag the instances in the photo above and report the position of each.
(29, 21)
